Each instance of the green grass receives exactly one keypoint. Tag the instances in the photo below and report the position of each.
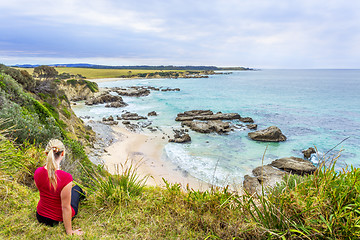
(92, 73)
(325, 205)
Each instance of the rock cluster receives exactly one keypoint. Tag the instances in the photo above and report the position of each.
(268, 175)
(180, 137)
(105, 98)
(133, 91)
(109, 121)
(206, 121)
(205, 115)
(130, 116)
(270, 134)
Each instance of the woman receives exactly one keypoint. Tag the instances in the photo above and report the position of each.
(59, 201)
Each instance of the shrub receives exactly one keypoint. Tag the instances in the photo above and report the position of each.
(22, 77)
(119, 188)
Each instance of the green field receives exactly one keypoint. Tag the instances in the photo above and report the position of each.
(93, 73)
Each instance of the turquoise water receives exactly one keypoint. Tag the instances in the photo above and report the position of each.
(312, 108)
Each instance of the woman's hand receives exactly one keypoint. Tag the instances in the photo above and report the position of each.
(77, 232)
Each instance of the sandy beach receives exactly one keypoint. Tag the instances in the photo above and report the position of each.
(144, 150)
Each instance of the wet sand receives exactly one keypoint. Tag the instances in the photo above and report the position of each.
(145, 152)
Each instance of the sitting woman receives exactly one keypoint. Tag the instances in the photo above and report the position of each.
(59, 200)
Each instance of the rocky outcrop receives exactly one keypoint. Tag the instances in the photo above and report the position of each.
(133, 92)
(252, 126)
(153, 113)
(131, 116)
(205, 115)
(116, 104)
(77, 90)
(208, 126)
(170, 89)
(180, 137)
(109, 121)
(294, 165)
(307, 153)
(269, 175)
(246, 120)
(104, 98)
(271, 134)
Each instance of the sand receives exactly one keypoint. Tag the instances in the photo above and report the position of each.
(145, 150)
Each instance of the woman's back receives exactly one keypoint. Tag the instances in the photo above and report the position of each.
(50, 200)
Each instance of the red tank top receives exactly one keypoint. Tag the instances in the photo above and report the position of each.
(50, 200)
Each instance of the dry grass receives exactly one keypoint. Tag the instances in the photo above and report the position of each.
(93, 73)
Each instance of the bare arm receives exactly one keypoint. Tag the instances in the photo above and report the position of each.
(67, 211)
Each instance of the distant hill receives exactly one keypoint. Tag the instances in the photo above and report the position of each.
(142, 67)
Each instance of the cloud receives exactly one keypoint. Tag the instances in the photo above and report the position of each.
(257, 33)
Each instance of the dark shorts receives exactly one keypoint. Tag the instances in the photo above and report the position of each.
(76, 195)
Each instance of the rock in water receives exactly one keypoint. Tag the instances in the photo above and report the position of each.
(294, 165)
(208, 126)
(271, 134)
(153, 113)
(180, 137)
(307, 153)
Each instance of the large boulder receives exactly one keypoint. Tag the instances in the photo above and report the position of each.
(271, 134)
(251, 184)
(208, 126)
(294, 165)
(264, 177)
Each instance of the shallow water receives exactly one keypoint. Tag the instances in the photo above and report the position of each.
(312, 108)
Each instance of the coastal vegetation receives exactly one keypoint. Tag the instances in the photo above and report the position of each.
(93, 73)
(323, 205)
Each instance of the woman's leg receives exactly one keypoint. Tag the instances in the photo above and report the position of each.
(76, 195)
(45, 220)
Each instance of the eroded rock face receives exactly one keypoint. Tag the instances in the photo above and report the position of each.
(208, 126)
(307, 153)
(294, 165)
(271, 134)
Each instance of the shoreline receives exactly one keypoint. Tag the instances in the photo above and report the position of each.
(144, 151)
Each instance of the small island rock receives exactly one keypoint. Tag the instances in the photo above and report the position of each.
(271, 134)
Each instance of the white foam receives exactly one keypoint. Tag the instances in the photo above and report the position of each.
(205, 169)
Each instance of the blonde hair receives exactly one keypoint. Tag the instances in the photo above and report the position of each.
(53, 150)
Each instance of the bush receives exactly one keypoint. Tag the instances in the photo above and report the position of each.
(119, 188)
(22, 77)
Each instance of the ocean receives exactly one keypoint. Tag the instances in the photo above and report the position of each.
(313, 108)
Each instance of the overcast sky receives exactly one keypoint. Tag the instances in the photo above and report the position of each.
(251, 33)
